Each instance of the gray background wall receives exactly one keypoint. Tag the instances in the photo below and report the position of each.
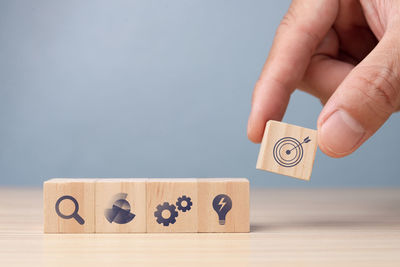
(150, 89)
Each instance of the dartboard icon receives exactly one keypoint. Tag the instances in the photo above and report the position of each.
(288, 151)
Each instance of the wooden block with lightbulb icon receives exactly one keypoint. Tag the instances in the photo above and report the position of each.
(69, 206)
(224, 205)
(287, 149)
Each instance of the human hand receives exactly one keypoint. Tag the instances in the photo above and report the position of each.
(346, 53)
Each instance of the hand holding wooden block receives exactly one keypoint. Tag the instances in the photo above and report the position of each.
(288, 149)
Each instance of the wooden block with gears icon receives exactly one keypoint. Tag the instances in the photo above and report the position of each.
(224, 205)
(172, 205)
(120, 205)
(288, 149)
(69, 206)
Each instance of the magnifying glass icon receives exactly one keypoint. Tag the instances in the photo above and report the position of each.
(74, 214)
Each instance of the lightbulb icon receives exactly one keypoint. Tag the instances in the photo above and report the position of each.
(222, 204)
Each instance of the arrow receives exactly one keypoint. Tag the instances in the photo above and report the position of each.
(305, 141)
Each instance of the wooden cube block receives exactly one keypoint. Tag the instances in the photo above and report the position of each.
(120, 206)
(288, 149)
(69, 206)
(172, 205)
(224, 205)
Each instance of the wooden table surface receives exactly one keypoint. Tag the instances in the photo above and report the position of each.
(316, 227)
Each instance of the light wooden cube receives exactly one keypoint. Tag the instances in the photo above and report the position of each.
(120, 206)
(288, 149)
(224, 205)
(69, 206)
(172, 205)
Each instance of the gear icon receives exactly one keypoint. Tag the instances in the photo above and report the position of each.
(184, 203)
(172, 214)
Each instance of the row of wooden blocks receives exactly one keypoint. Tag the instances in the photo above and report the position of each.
(146, 205)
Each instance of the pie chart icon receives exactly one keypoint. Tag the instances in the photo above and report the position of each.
(120, 212)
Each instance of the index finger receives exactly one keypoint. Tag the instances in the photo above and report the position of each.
(301, 30)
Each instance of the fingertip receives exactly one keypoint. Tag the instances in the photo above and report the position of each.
(339, 134)
(254, 133)
(326, 150)
(254, 138)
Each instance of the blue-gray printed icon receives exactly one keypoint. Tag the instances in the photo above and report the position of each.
(74, 214)
(288, 151)
(120, 212)
(166, 213)
(222, 204)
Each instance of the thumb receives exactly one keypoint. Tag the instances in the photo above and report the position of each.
(364, 100)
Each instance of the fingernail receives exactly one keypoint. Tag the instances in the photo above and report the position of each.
(340, 133)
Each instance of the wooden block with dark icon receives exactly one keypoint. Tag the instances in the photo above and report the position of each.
(69, 206)
(120, 205)
(223, 205)
(172, 205)
(288, 149)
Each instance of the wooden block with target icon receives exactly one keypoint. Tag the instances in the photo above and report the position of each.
(69, 206)
(288, 149)
(120, 205)
(172, 205)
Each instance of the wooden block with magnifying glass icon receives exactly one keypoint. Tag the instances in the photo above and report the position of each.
(69, 206)
(224, 205)
(121, 205)
(288, 149)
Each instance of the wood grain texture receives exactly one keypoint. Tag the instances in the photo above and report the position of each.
(108, 191)
(284, 150)
(313, 227)
(82, 190)
(161, 191)
(237, 218)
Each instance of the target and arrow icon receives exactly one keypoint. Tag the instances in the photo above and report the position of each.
(288, 151)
